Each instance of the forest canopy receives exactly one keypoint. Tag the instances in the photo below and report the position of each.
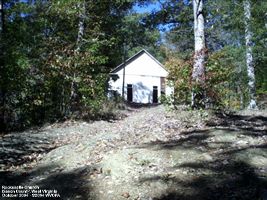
(56, 56)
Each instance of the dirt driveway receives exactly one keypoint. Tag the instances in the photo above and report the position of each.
(150, 154)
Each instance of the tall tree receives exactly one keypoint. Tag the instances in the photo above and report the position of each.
(1, 16)
(58, 54)
(2, 92)
(224, 32)
(249, 56)
(198, 74)
(81, 26)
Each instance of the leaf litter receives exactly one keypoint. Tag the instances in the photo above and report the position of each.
(151, 154)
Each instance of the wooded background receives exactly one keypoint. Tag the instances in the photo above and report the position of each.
(56, 55)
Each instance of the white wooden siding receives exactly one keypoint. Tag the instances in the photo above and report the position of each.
(143, 73)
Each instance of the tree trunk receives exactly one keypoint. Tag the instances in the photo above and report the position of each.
(80, 26)
(239, 87)
(3, 117)
(249, 57)
(74, 95)
(198, 74)
(1, 16)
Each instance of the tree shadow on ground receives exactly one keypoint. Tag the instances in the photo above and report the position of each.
(251, 125)
(190, 140)
(224, 176)
(236, 180)
(141, 105)
(69, 185)
(19, 148)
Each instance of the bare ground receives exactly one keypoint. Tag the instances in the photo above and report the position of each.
(151, 154)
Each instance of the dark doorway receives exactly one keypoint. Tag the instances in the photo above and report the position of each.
(162, 85)
(155, 94)
(129, 92)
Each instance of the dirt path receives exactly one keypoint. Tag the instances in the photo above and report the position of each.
(151, 154)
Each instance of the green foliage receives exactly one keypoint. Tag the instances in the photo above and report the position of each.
(223, 79)
(41, 63)
(219, 79)
(225, 41)
(179, 77)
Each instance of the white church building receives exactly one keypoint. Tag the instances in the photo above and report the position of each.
(144, 79)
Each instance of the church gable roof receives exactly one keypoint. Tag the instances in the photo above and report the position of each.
(133, 58)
